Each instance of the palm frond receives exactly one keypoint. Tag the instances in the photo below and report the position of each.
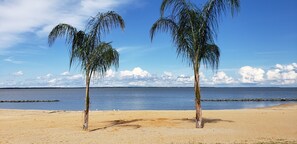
(77, 52)
(86, 48)
(194, 28)
(103, 23)
(174, 5)
(213, 9)
(210, 55)
(102, 58)
(163, 25)
(62, 30)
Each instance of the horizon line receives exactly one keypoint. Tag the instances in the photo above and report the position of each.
(33, 87)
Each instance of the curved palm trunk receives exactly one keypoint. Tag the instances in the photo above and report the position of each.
(197, 99)
(86, 112)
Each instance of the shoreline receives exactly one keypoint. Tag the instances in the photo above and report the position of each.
(269, 124)
(290, 103)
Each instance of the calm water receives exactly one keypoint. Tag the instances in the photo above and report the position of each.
(141, 98)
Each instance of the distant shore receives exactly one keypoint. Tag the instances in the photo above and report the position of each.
(127, 87)
(272, 124)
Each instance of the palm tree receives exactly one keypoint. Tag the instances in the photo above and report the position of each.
(88, 50)
(193, 30)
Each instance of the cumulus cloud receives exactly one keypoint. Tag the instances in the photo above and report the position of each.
(283, 74)
(185, 79)
(168, 74)
(139, 77)
(38, 17)
(203, 78)
(222, 78)
(75, 77)
(136, 73)
(138, 83)
(64, 80)
(106, 80)
(18, 73)
(45, 77)
(251, 75)
(48, 75)
(135, 77)
(279, 75)
(53, 81)
(66, 73)
(110, 74)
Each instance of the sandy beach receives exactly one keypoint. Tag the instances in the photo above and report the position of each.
(273, 124)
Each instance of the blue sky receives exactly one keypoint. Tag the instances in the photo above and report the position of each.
(258, 45)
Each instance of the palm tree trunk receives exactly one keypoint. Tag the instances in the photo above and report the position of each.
(197, 100)
(86, 112)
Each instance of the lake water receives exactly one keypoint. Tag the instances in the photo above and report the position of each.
(141, 98)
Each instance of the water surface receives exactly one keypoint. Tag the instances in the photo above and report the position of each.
(141, 98)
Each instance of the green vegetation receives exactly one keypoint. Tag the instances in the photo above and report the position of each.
(88, 50)
(193, 30)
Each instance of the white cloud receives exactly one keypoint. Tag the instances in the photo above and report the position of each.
(110, 74)
(280, 75)
(38, 17)
(251, 75)
(203, 78)
(283, 74)
(222, 78)
(185, 79)
(18, 73)
(60, 80)
(66, 73)
(138, 83)
(168, 74)
(52, 81)
(46, 77)
(11, 60)
(75, 77)
(135, 77)
(273, 74)
(136, 73)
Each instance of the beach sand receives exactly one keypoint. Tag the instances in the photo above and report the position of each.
(277, 124)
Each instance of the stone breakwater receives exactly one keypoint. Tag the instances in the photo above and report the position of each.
(246, 100)
(208, 100)
(26, 101)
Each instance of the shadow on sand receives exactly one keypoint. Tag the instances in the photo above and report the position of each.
(205, 120)
(121, 123)
(128, 123)
(208, 120)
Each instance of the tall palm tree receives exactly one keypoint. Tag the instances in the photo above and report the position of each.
(88, 50)
(193, 30)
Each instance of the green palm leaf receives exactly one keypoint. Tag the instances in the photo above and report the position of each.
(88, 50)
(62, 30)
(193, 31)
